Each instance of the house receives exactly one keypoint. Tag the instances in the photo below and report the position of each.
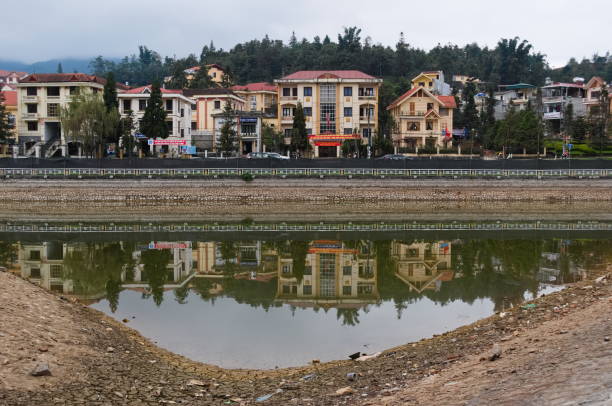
(259, 96)
(422, 265)
(339, 105)
(11, 77)
(178, 117)
(422, 119)
(248, 127)
(516, 96)
(206, 103)
(593, 89)
(432, 81)
(215, 72)
(9, 100)
(39, 100)
(555, 99)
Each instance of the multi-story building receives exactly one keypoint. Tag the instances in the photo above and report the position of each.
(593, 89)
(516, 96)
(259, 96)
(338, 105)
(207, 103)
(215, 72)
(11, 77)
(9, 100)
(178, 116)
(44, 264)
(555, 99)
(422, 119)
(432, 81)
(39, 100)
(248, 127)
(422, 265)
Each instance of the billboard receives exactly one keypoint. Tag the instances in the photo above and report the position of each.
(167, 142)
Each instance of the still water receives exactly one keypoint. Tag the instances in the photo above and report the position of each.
(247, 300)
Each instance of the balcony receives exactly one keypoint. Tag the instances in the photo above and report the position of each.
(411, 114)
(366, 119)
(288, 98)
(29, 116)
(287, 120)
(554, 115)
(30, 99)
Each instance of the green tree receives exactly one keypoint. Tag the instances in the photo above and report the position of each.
(568, 118)
(59, 68)
(5, 124)
(87, 121)
(110, 93)
(153, 123)
(227, 139)
(273, 140)
(487, 120)
(600, 120)
(202, 80)
(127, 127)
(470, 113)
(299, 135)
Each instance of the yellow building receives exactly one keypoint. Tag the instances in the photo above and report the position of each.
(260, 96)
(215, 72)
(422, 265)
(9, 100)
(422, 119)
(432, 81)
(338, 105)
(592, 101)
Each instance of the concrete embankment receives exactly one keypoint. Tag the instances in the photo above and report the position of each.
(305, 190)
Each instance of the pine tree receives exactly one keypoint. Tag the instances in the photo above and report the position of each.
(487, 119)
(227, 140)
(59, 68)
(470, 114)
(127, 128)
(5, 125)
(110, 93)
(299, 136)
(153, 123)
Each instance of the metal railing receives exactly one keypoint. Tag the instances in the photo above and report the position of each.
(304, 172)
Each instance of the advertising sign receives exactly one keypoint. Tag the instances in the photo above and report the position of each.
(167, 142)
(188, 149)
(247, 120)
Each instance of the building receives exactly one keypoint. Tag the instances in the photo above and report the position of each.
(339, 105)
(207, 103)
(39, 100)
(178, 117)
(555, 99)
(422, 265)
(215, 72)
(259, 96)
(422, 119)
(593, 90)
(11, 77)
(248, 127)
(516, 96)
(9, 100)
(432, 81)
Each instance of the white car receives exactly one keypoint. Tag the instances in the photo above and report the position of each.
(275, 155)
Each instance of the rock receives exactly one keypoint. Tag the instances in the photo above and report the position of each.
(110, 349)
(495, 352)
(368, 357)
(41, 370)
(606, 338)
(125, 320)
(354, 356)
(351, 376)
(195, 382)
(347, 390)
(308, 377)
(118, 394)
(315, 361)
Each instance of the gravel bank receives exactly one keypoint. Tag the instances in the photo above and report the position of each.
(96, 361)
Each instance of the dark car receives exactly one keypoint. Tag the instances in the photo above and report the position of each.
(394, 157)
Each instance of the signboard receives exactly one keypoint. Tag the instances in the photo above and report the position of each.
(167, 245)
(570, 146)
(326, 137)
(167, 142)
(248, 120)
(188, 149)
(140, 136)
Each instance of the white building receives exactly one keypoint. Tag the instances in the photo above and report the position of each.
(178, 110)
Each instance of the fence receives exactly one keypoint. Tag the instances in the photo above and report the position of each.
(111, 173)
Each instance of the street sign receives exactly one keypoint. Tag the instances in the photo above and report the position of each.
(570, 146)
(150, 142)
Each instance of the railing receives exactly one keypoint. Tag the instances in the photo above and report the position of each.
(302, 172)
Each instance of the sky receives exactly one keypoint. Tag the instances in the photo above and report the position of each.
(42, 29)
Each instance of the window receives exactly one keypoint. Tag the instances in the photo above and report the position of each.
(286, 91)
(53, 91)
(307, 290)
(367, 132)
(348, 131)
(94, 90)
(327, 275)
(72, 89)
(347, 270)
(182, 132)
(422, 84)
(595, 95)
(328, 109)
(142, 104)
(347, 290)
(364, 289)
(248, 128)
(56, 271)
(288, 132)
(253, 103)
(308, 111)
(127, 105)
(367, 112)
(217, 104)
(52, 110)
(414, 126)
(348, 91)
(194, 125)
(170, 127)
(307, 91)
(182, 112)
(35, 255)
(429, 125)
(31, 91)
(366, 91)
(294, 92)
(308, 270)
(348, 112)
(35, 273)
(288, 112)
(430, 106)
(169, 105)
(32, 126)
(32, 108)
(286, 269)
(194, 107)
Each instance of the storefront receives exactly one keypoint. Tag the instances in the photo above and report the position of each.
(330, 145)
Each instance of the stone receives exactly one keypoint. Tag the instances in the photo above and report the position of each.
(347, 390)
(195, 382)
(495, 352)
(41, 370)
(606, 338)
(110, 349)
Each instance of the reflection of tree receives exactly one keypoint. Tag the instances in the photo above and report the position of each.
(181, 293)
(155, 263)
(229, 252)
(350, 317)
(8, 253)
(299, 251)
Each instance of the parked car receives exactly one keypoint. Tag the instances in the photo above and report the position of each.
(256, 155)
(394, 157)
(275, 155)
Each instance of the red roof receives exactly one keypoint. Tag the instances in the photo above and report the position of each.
(139, 90)
(447, 101)
(4, 73)
(407, 94)
(61, 77)
(10, 98)
(320, 74)
(255, 87)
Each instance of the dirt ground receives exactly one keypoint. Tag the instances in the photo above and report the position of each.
(554, 351)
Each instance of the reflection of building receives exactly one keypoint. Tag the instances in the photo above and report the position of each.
(178, 269)
(204, 257)
(423, 265)
(334, 274)
(43, 263)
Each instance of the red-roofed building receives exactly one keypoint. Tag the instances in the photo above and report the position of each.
(215, 72)
(11, 77)
(259, 96)
(339, 105)
(9, 100)
(422, 119)
(178, 117)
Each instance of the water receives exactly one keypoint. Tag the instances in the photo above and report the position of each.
(258, 296)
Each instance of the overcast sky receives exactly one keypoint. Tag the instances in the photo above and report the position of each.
(37, 30)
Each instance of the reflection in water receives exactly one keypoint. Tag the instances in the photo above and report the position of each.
(426, 286)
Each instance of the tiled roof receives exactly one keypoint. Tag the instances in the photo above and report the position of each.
(10, 98)
(207, 92)
(255, 87)
(210, 65)
(61, 77)
(141, 89)
(560, 84)
(4, 73)
(316, 74)
(402, 97)
(448, 101)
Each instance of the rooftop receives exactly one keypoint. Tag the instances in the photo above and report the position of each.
(213, 91)
(61, 77)
(256, 87)
(10, 98)
(4, 73)
(327, 74)
(561, 84)
(143, 89)
(517, 86)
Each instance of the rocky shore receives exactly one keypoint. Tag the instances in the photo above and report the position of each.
(137, 192)
(552, 349)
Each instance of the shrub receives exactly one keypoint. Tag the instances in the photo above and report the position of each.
(248, 177)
